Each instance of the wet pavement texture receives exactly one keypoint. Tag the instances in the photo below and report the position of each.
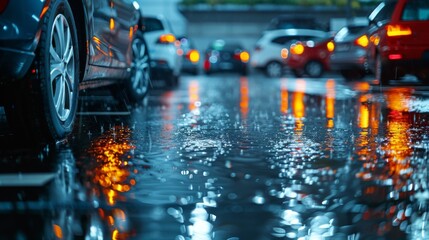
(228, 157)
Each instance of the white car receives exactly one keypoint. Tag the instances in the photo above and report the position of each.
(272, 49)
(164, 50)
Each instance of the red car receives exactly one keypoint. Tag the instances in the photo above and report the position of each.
(399, 40)
(310, 57)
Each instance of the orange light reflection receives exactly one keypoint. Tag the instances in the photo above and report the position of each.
(194, 97)
(244, 97)
(330, 102)
(284, 94)
(299, 105)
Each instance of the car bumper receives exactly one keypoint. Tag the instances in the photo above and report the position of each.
(347, 61)
(14, 63)
(19, 29)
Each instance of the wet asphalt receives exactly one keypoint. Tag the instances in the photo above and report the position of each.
(227, 157)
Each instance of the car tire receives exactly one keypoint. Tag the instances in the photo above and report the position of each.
(314, 69)
(138, 84)
(42, 107)
(274, 69)
(381, 71)
(351, 75)
(297, 73)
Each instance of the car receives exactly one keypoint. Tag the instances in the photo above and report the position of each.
(164, 49)
(399, 40)
(222, 56)
(50, 50)
(272, 49)
(310, 57)
(191, 56)
(350, 53)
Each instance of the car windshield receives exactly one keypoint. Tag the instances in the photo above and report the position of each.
(382, 12)
(416, 10)
(153, 24)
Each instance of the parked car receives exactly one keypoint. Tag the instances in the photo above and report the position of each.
(399, 40)
(164, 49)
(272, 49)
(222, 56)
(349, 56)
(191, 56)
(49, 50)
(310, 57)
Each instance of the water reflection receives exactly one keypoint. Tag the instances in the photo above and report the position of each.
(44, 201)
(112, 176)
(299, 105)
(244, 97)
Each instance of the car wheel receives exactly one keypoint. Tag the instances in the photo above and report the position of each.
(381, 71)
(138, 83)
(274, 69)
(42, 106)
(314, 69)
(297, 73)
(350, 75)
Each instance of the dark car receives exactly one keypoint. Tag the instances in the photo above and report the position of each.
(399, 40)
(191, 56)
(49, 50)
(310, 57)
(349, 56)
(222, 56)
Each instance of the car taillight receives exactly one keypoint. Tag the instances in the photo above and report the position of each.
(3, 4)
(193, 56)
(398, 30)
(362, 41)
(297, 48)
(244, 56)
(330, 46)
(284, 53)
(167, 38)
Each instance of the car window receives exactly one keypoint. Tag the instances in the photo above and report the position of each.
(382, 12)
(283, 39)
(416, 10)
(153, 24)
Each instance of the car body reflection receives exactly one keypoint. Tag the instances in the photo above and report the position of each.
(45, 202)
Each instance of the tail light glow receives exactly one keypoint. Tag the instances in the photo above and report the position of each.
(244, 56)
(362, 41)
(297, 48)
(167, 38)
(396, 56)
(193, 56)
(284, 53)
(398, 30)
(330, 46)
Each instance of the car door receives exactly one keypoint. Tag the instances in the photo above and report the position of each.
(100, 15)
(125, 20)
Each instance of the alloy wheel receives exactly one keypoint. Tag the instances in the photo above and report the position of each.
(62, 67)
(140, 67)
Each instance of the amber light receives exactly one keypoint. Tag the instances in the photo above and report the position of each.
(284, 53)
(112, 24)
(167, 38)
(398, 30)
(244, 56)
(194, 56)
(297, 48)
(362, 41)
(330, 46)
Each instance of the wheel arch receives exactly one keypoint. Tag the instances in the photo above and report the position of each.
(80, 12)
